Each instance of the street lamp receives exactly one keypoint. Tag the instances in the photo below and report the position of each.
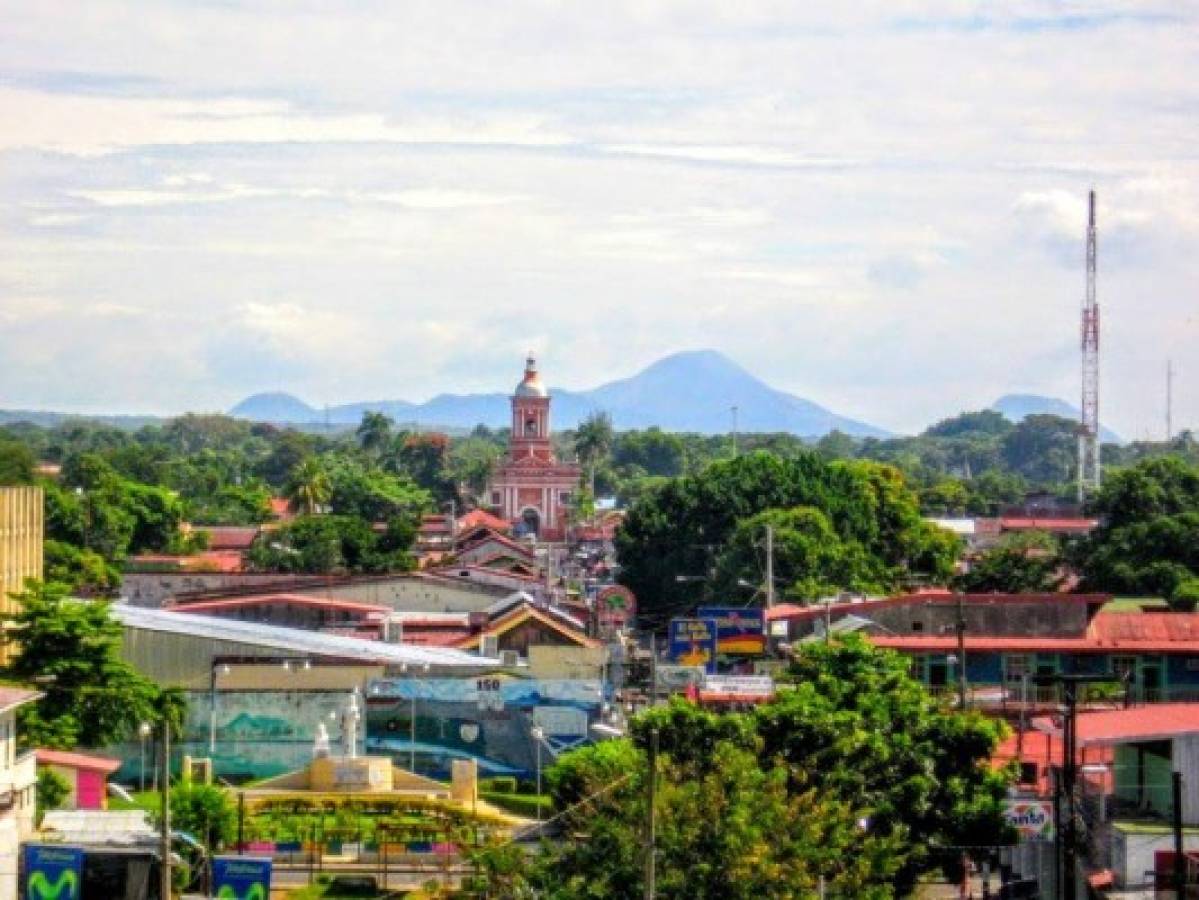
(538, 736)
(412, 718)
(143, 731)
(224, 669)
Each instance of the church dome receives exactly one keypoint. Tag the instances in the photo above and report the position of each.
(531, 385)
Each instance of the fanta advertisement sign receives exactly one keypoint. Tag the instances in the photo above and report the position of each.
(53, 873)
(693, 643)
(1032, 819)
(241, 878)
(739, 632)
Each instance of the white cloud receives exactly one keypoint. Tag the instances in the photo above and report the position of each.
(854, 200)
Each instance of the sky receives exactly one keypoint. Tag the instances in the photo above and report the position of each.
(880, 208)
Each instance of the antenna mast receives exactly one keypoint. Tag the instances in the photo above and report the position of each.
(1088, 432)
(1169, 400)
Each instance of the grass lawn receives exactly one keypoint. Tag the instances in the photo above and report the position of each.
(151, 801)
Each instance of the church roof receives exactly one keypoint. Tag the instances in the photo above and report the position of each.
(531, 385)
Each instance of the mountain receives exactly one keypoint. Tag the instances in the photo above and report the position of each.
(1018, 406)
(689, 391)
(275, 407)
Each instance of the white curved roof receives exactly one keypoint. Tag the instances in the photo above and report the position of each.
(293, 640)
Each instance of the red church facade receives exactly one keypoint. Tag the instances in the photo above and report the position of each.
(530, 488)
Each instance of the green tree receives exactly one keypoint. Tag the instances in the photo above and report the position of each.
(16, 463)
(1029, 562)
(72, 650)
(1042, 448)
(593, 442)
(675, 529)
(858, 725)
(810, 559)
(83, 571)
(982, 422)
(731, 824)
(52, 791)
(204, 811)
(1148, 539)
(308, 487)
(374, 431)
(371, 493)
(332, 544)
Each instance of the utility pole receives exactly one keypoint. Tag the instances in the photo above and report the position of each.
(1169, 400)
(1179, 859)
(1068, 838)
(651, 819)
(164, 867)
(769, 566)
(960, 625)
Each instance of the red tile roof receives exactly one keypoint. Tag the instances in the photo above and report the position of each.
(1108, 632)
(229, 537)
(77, 761)
(1145, 626)
(1021, 523)
(1158, 721)
(281, 507)
(477, 517)
(938, 596)
(492, 537)
(208, 606)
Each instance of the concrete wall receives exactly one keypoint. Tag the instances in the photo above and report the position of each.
(21, 527)
(1002, 618)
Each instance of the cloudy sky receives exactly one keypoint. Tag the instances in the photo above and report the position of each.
(880, 208)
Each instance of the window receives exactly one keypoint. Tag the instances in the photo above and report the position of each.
(917, 626)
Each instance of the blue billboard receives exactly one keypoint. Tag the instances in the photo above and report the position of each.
(693, 643)
(739, 631)
(241, 878)
(53, 872)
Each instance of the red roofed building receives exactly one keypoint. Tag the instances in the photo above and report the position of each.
(530, 488)
(86, 776)
(311, 613)
(482, 518)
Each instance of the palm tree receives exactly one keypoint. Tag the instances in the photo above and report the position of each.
(309, 487)
(593, 440)
(374, 432)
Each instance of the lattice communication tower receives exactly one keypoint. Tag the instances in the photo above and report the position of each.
(1088, 432)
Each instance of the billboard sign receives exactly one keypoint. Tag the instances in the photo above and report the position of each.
(739, 632)
(1032, 819)
(53, 872)
(693, 643)
(241, 878)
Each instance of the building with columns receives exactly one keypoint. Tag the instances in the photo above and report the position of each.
(530, 488)
(21, 525)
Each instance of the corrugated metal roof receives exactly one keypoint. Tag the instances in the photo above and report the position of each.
(1145, 626)
(291, 640)
(1158, 721)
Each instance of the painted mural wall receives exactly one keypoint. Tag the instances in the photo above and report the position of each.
(490, 719)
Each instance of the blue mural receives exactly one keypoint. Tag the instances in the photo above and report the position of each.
(490, 719)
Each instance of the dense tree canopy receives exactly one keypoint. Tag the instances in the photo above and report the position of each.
(681, 527)
(1021, 563)
(337, 544)
(1148, 539)
(72, 650)
(856, 777)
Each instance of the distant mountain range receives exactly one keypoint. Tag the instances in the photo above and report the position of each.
(1018, 406)
(690, 391)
